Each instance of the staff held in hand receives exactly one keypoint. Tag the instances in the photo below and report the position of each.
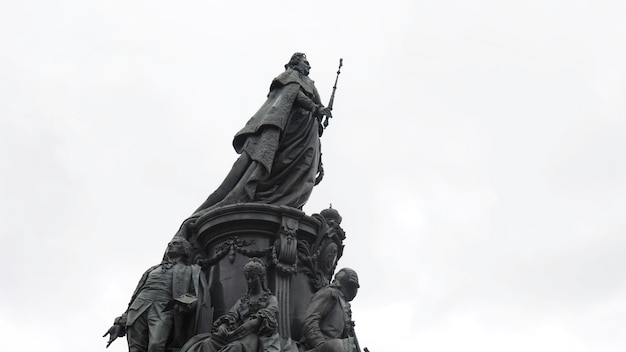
(332, 95)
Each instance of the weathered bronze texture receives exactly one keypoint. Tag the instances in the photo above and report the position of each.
(328, 325)
(283, 298)
(250, 325)
(280, 160)
(170, 304)
(301, 253)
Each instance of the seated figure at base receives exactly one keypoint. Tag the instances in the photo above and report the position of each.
(328, 325)
(252, 323)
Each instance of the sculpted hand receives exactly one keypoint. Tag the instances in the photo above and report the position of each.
(114, 332)
(222, 330)
(324, 111)
(252, 324)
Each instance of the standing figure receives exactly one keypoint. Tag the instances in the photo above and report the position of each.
(327, 324)
(280, 158)
(252, 323)
(170, 304)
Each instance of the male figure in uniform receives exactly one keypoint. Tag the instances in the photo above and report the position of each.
(328, 325)
(169, 305)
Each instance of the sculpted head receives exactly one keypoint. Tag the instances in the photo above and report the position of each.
(254, 271)
(299, 63)
(178, 248)
(347, 281)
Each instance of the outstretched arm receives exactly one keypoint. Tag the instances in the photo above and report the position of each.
(119, 324)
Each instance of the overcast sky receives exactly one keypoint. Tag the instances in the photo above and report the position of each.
(477, 155)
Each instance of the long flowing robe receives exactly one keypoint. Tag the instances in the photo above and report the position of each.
(279, 147)
(265, 339)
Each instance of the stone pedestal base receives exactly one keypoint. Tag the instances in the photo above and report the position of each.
(300, 251)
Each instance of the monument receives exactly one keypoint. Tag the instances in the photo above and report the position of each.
(249, 270)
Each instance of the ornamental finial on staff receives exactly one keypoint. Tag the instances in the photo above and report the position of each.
(332, 95)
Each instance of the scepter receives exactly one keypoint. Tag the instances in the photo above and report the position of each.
(332, 95)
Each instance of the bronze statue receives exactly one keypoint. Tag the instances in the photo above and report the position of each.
(255, 211)
(170, 304)
(327, 324)
(280, 160)
(252, 323)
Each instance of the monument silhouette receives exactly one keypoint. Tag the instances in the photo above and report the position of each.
(249, 270)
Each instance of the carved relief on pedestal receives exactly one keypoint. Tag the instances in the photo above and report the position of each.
(319, 259)
(231, 246)
(284, 252)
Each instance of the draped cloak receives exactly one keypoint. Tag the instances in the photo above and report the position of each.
(266, 339)
(279, 147)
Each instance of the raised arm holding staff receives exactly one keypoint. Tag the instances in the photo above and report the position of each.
(279, 147)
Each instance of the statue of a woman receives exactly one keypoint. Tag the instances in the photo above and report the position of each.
(280, 158)
(252, 323)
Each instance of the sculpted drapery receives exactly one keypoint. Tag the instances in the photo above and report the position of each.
(177, 280)
(266, 339)
(170, 304)
(328, 325)
(280, 159)
(279, 147)
(251, 325)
